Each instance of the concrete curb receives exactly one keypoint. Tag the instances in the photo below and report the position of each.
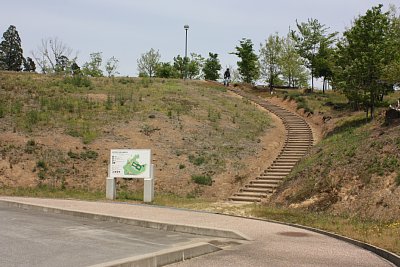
(163, 257)
(387, 255)
(181, 228)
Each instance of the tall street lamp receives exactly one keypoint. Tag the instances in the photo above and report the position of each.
(186, 27)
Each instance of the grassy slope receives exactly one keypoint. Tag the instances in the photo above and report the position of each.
(350, 182)
(192, 127)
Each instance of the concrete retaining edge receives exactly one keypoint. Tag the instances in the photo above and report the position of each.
(189, 229)
(163, 257)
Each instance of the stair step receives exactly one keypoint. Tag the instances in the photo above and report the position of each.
(245, 199)
(264, 190)
(258, 184)
(251, 194)
(284, 165)
(269, 176)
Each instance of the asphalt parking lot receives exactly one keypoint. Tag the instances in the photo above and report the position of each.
(33, 238)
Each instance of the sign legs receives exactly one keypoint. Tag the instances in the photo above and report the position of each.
(148, 192)
(111, 189)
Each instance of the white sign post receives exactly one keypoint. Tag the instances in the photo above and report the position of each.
(133, 164)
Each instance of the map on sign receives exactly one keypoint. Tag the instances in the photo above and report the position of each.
(133, 167)
(130, 163)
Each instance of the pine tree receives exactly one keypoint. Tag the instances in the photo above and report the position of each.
(29, 65)
(11, 57)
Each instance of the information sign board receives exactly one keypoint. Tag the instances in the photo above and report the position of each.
(130, 163)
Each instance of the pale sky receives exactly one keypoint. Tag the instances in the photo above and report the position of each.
(127, 28)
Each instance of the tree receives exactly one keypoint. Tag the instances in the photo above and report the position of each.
(93, 67)
(195, 65)
(76, 70)
(50, 54)
(111, 66)
(212, 67)
(270, 54)
(366, 48)
(62, 64)
(148, 62)
(323, 64)
(166, 70)
(180, 65)
(248, 65)
(11, 53)
(391, 72)
(29, 65)
(308, 42)
(292, 65)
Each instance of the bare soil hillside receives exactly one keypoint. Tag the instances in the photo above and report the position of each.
(57, 132)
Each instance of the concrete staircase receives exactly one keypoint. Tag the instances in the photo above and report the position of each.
(299, 139)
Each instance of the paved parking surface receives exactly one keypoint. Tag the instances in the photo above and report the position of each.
(29, 238)
(271, 244)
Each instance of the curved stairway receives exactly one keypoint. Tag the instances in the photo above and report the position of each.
(299, 139)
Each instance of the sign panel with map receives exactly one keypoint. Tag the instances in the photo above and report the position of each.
(130, 163)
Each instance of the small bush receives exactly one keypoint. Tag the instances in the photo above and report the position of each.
(398, 179)
(30, 146)
(90, 154)
(182, 166)
(73, 155)
(41, 164)
(42, 175)
(78, 81)
(202, 179)
(200, 160)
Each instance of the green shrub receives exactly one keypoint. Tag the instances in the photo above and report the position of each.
(202, 179)
(398, 179)
(30, 146)
(90, 154)
(182, 166)
(200, 160)
(41, 164)
(73, 155)
(78, 81)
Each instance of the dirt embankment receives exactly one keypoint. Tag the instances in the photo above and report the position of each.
(353, 172)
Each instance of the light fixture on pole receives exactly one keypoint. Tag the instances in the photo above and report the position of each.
(186, 27)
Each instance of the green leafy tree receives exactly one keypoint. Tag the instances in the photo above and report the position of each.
(391, 72)
(166, 70)
(248, 65)
(366, 48)
(62, 64)
(308, 39)
(148, 62)
(195, 65)
(111, 66)
(324, 64)
(93, 67)
(188, 67)
(11, 53)
(29, 65)
(212, 67)
(294, 74)
(75, 69)
(270, 54)
(180, 65)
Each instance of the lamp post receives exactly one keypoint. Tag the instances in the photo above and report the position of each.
(186, 27)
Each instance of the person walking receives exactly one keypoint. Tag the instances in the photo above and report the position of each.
(227, 77)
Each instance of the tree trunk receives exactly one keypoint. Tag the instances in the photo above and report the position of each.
(323, 86)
